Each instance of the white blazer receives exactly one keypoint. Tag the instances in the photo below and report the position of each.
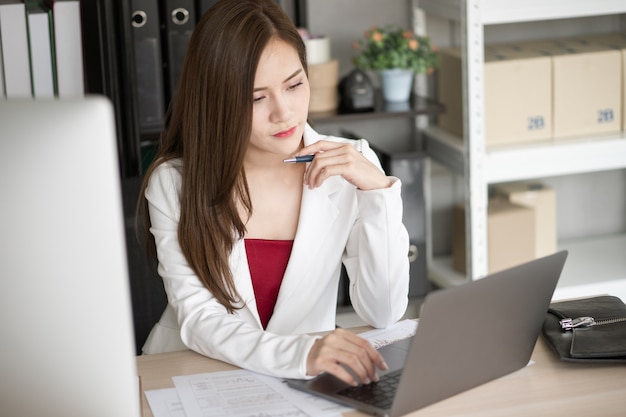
(338, 223)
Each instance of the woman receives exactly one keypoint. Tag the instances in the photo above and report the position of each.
(250, 247)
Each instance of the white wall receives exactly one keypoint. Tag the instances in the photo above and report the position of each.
(345, 21)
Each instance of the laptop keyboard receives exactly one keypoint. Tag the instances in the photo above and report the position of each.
(379, 394)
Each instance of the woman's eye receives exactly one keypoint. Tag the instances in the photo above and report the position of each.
(293, 87)
(257, 99)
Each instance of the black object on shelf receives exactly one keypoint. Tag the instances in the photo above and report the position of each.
(203, 6)
(109, 71)
(356, 92)
(179, 20)
(146, 31)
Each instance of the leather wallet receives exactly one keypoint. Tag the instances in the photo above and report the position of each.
(587, 330)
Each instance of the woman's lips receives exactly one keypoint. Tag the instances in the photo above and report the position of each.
(286, 133)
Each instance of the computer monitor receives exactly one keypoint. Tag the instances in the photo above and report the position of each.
(67, 345)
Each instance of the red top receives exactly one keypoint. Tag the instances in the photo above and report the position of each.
(267, 260)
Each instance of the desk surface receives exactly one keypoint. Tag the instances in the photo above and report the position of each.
(547, 387)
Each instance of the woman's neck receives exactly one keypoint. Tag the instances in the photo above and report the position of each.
(276, 193)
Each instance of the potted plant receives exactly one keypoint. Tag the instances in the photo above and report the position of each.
(395, 53)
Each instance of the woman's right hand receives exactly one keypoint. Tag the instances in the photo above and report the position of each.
(342, 347)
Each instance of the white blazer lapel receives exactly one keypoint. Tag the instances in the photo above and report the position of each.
(243, 281)
(318, 214)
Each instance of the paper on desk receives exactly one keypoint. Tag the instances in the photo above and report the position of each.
(242, 393)
(311, 405)
(398, 331)
(165, 403)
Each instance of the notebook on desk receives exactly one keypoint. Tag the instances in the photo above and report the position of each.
(67, 344)
(467, 335)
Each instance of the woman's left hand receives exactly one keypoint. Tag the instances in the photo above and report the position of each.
(335, 158)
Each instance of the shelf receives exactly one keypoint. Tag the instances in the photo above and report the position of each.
(445, 148)
(595, 265)
(495, 12)
(535, 160)
(480, 165)
(442, 273)
(416, 107)
(560, 157)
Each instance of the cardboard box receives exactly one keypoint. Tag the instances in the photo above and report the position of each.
(518, 98)
(510, 235)
(324, 75)
(587, 84)
(323, 99)
(615, 41)
(517, 95)
(323, 80)
(542, 200)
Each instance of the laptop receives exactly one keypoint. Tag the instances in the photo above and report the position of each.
(65, 309)
(467, 335)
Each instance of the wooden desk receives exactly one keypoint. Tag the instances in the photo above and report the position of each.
(547, 387)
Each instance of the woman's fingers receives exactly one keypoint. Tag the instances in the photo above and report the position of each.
(333, 158)
(326, 165)
(342, 349)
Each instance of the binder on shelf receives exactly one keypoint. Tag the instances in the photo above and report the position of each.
(148, 64)
(68, 47)
(110, 71)
(203, 6)
(179, 20)
(41, 48)
(14, 38)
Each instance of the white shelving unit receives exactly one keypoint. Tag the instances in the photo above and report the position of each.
(468, 157)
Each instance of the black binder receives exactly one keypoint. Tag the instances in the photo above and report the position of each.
(203, 5)
(110, 70)
(146, 31)
(179, 19)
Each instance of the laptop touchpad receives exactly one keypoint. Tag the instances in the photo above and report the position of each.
(395, 354)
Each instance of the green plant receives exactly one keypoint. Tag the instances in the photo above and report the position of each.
(394, 47)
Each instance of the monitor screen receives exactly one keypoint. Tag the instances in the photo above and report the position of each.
(67, 344)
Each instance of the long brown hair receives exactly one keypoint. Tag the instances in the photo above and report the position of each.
(208, 127)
